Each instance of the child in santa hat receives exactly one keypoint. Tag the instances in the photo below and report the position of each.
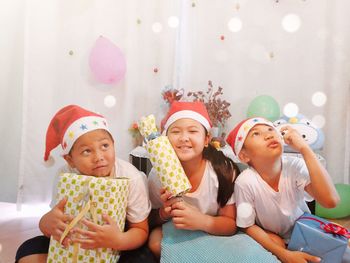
(88, 148)
(210, 204)
(271, 193)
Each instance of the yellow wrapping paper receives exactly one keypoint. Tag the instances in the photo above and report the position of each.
(99, 195)
(163, 158)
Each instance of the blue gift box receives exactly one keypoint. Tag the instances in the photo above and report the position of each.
(318, 237)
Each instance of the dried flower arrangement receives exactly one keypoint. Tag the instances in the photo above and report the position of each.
(171, 94)
(218, 109)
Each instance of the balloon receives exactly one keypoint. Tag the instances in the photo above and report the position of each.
(264, 106)
(342, 209)
(107, 62)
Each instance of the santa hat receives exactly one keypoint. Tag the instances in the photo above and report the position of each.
(237, 136)
(193, 110)
(68, 125)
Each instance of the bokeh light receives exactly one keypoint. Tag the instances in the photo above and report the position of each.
(291, 23)
(319, 99)
(173, 21)
(290, 110)
(245, 210)
(235, 24)
(157, 27)
(319, 121)
(109, 101)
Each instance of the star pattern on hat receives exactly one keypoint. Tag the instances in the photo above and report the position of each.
(71, 134)
(83, 127)
(95, 122)
(246, 127)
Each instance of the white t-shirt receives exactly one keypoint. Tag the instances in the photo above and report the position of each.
(204, 198)
(257, 203)
(139, 206)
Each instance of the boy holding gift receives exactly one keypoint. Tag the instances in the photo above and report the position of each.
(271, 193)
(88, 148)
(209, 205)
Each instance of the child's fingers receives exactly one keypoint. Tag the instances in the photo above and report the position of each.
(178, 205)
(167, 209)
(90, 225)
(311, 258)
(84, 243)
(107, 219)
(61, 204)
(82, 232)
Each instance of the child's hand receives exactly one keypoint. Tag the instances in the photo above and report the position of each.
(55, 222)
(98, 236)
(293, 138)
(186, 216)
(167, 201)
(299, 257)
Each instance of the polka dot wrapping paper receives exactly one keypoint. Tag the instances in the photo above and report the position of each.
(163, 158)
(105, 196)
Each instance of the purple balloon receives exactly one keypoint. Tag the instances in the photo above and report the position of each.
(107, 62)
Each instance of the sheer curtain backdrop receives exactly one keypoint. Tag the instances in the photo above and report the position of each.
(286, 49)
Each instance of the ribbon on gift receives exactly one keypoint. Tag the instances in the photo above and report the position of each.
(87, 207)
(330, 227)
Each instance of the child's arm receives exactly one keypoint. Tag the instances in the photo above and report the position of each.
(54, 222)
(109, 235)
(278, 249)
(186, 216)
(321, 186)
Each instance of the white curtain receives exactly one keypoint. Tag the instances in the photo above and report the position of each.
(54, 39)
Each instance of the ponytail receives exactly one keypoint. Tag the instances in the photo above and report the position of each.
(226, 171)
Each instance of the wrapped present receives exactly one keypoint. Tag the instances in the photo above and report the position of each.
(319, 237)
(89, 197)
(163, 158)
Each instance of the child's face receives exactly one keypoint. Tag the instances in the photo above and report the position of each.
(188, 137)
(262, 142)
(93, 154)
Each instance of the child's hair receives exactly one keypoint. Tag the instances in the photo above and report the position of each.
(226, 171)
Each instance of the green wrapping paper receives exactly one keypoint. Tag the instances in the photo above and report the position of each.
(99, 196)
(163, 158)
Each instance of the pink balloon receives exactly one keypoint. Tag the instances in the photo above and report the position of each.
(107, 62)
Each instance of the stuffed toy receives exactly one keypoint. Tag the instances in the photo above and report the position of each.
(311, 134)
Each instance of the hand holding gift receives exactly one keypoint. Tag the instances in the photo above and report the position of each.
(163, 158)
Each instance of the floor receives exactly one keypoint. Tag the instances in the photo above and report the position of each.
(16, 227)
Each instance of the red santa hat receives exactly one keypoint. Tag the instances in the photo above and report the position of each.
(68, 125)
(237, 136)
(192, 110)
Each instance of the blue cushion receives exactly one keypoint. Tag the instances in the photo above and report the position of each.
(197, 246)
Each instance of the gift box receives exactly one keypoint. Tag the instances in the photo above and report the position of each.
(89, 197)
(163, 158)
(319, 237)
